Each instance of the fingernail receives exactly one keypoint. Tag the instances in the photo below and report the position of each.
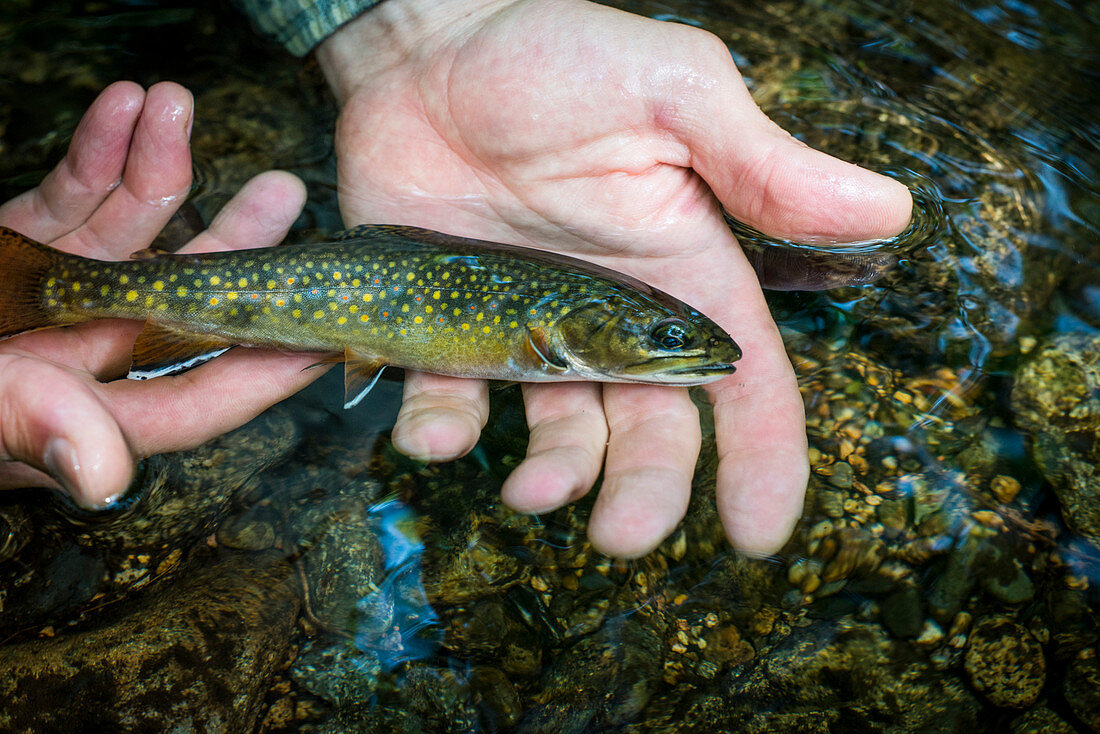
(63, 464)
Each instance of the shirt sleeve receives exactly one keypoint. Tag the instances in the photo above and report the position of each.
(300, 25)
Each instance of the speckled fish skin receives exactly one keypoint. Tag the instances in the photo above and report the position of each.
(399, 296)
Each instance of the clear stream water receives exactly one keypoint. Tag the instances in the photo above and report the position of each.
(300, 575)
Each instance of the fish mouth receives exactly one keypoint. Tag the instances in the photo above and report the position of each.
(686, 375)
(717, 368)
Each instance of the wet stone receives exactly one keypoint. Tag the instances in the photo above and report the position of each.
(600, 681)
(337, 671)
(902, 613)
(233, 617)
(1005, 663)
(1056, 398)
(795, 686)
(1041, 720)
(1082, 688)
(343, 564)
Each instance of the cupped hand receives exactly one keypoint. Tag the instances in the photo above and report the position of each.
(570, 126)
(66, 420)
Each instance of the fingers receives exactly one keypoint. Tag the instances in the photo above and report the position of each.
(156, 180)
(566, 448)
(759, 419)
(259, 215)
(440, 417)
(54, 422)
(183, 411)
(91, 169)
(762, 175)
(655, 439)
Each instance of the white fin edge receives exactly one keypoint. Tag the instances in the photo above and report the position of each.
(363, 393)
(175, 367)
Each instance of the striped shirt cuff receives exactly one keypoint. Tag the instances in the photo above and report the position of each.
(300, 25)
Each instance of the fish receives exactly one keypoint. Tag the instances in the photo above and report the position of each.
(383, 295)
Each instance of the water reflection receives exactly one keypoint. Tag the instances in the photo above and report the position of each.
(413, 633)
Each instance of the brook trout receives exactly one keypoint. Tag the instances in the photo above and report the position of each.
(385, 295)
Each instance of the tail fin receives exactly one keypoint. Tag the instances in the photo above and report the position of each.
(24, 264)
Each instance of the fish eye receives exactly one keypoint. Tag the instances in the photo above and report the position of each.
(671, 334)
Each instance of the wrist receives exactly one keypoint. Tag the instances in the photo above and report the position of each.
(394, 31)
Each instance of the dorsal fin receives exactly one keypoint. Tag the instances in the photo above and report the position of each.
(164, 350)
(360, 375)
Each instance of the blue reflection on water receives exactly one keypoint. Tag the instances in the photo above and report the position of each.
(413, 633)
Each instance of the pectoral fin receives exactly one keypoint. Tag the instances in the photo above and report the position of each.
(360, 375)
(162, 350)
(541, 353)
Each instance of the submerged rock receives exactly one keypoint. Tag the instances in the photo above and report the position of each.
(1056, 398)
(198, 657)
(1005, 663)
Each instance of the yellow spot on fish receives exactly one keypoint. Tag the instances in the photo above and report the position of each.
(131, 296)
(342, 320)
(364, 318)
(353, 308)
(242, 283)
(465, 327)
(215, 280)
(231, 295)
(51, 282)
(367, 297)
(104, 290)
(280, 302)
(76, 287)
(318, 314)
(213, 301)
(436, 295)
(496, 319)
(296, 313)
(486, 329)
(270, 284)
(181, 291)
(418, 319)
(123, 279)
(409, 276)
(512, 324)
(404, 308)
(336, 275)
(148, 301)
(427, 309)
(458, 312)
(158, 285)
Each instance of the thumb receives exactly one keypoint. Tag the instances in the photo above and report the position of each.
(53, 422)
(769, 180)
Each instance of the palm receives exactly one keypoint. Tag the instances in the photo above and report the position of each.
(570, 126)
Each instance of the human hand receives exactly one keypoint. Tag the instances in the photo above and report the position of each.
(570, 126)
(66, 421)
